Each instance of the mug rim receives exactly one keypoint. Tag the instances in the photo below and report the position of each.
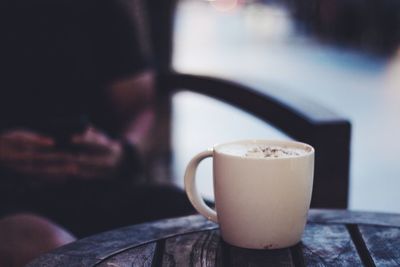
(216, 148)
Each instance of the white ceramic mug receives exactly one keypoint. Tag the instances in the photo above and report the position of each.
(260, 203)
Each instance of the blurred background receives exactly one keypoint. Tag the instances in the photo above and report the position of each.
(342, 54)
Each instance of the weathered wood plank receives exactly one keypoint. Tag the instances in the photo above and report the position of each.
(92, 250)
(61, 260)
(353, 217)
(328, 245)
(198, 249)
(242, 257)
(141, 256)
(383, 244)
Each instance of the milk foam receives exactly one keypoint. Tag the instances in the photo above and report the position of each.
(264, 151)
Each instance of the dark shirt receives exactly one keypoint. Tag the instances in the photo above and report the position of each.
(58, 56)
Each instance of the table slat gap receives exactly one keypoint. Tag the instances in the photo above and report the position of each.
(383, 244)
(158, 253)
(361, 247)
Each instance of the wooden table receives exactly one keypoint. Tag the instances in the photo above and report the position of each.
(331, 238)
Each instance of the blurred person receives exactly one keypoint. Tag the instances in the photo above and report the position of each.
(76, 115)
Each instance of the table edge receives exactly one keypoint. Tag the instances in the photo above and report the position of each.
(105, 243)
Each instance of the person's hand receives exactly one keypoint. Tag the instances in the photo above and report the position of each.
(96, 155)
(30, 153)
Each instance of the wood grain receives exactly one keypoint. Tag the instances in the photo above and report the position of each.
(92, 250)
(353, 217)
(198, 249)
(195, 240)
(328, 245)
(141, 256)
(383, 244)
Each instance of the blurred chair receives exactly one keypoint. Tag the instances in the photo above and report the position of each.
(366, 25)
(300, 119)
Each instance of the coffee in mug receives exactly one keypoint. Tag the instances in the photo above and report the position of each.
(262, 191)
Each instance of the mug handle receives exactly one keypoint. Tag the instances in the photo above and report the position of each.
(191, 189)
